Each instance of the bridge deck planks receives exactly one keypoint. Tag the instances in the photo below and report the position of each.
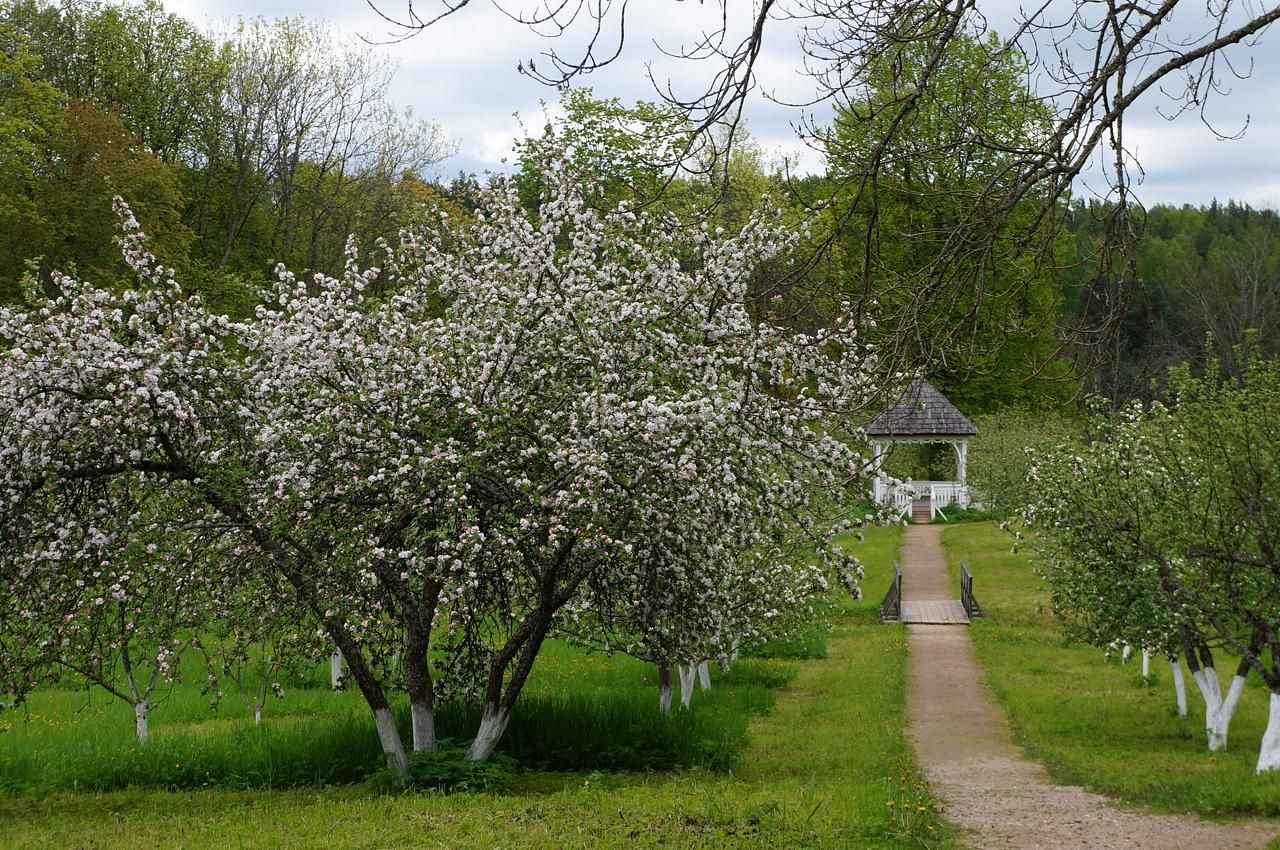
(942, 612)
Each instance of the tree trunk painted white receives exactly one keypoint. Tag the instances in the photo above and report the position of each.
(1212, 696)
(335, 670)
(1209, 690)
(492, 724)
(1221, 720)
(389, 736)
(424, 726)
(686, 684)
(1179, 688)
(664, 688)
(1125, 653)
(1206, 680)
(142, 721)
(1146, 665)
(704, 675)
(257, 714)
(1269, 754)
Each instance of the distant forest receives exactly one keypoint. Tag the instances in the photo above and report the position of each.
(275, 141)
(1200, 271)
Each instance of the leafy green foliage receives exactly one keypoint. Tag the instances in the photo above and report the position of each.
(448, 769)
(1208, 270)
(273, 142)
(1008, 443)
(942, 152)
(152, 67)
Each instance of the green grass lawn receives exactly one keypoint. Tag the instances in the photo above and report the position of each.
(1092, 722)
(826, 766)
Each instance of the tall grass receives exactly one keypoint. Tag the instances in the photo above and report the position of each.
(581, 711)
(584, 713)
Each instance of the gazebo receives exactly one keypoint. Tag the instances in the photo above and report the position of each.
(921, 414)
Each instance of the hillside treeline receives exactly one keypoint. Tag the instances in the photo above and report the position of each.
(270, 142)
(274, 141)
(1199, 272)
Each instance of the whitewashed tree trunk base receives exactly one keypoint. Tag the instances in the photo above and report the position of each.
(335, 671)
(257, 714)
(686, 684)
(1217, 739)
(389, 736)
(1269, 753)
(704, 675)
(1206, 680)
(142, 721)
(664, 697)
(1218, 709)
(1222, 717)
(1226, 711)
(424, 727)
(492, 724)
(1179, 688)
(1146, 665)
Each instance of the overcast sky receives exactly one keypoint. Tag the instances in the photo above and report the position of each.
(462, 74)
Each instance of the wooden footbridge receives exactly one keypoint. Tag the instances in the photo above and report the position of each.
(946, 612)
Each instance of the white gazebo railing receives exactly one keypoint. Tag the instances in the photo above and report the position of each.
(944, 494)
(898, 495)
(941, 495)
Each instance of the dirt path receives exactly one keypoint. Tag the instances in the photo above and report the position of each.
(962, 738)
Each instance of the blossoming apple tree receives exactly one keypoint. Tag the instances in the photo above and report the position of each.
(535, 413)
(1163, 532)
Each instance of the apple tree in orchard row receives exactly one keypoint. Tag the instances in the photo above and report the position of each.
(510, 425)
(1164, 532)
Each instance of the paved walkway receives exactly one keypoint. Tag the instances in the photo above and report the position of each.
(965, 747)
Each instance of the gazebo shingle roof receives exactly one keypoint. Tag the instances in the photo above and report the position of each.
(921, 411)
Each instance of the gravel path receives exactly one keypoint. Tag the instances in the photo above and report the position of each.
(964, 744)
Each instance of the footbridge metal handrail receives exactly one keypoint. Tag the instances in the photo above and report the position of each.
(971, 608)
(891, 605)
